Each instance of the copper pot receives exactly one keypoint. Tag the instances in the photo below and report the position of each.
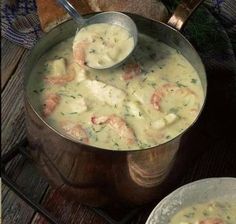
(99, 177)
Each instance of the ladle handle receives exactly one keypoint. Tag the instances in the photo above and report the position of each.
(72, 12)
(183, 12)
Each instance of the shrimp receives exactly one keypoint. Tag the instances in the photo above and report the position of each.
(131, 70)
(59, 80)
(75, 130)
(118, 125)
(50, 103)
(156, 99)
(99, 120)
(79, 52)
(211, 221)
(166, 90)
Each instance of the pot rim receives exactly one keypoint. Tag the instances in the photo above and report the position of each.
(106, 149)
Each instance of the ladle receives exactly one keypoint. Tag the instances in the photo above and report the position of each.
(111, 17)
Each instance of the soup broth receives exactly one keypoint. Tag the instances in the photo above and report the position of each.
(214, 212)
(102, 45)
(148, 100)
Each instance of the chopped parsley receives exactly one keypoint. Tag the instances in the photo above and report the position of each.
(181, 65)
(129, 115)
(143, 71)
(173, 110)
(205, 213)
(194, 81)
(144, 79)
(56, 57)
(189, 215)
(99, 130)
(180, 84)
(92, 51)
(153, 84)
(143, 145)
(116, 144)
(152, 56)
(133, 92)
(63, 94)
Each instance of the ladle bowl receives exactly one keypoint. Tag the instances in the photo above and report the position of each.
(111, 17)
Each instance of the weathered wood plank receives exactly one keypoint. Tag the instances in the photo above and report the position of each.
(13, 131)
(14, 210)
(11, 210)
(12, 127)
(11, 55)
(12, 112)
(67, 211)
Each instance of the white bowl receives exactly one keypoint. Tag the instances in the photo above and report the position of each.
(196, 192)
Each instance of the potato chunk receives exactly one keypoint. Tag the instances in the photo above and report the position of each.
(159, 124)
(134, 109)
(58, 67)
(170, 118)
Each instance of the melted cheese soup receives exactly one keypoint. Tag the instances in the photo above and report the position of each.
(148, 100)
(207, 213)
(102, 45)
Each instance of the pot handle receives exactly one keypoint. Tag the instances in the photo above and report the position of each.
(183, 12)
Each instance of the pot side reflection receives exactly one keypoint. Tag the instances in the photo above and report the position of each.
(98, 177)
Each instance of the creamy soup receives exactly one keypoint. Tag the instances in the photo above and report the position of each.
(102, 45)
(148, 100)
(207, 213)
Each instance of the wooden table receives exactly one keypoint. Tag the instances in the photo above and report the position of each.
(216, 153)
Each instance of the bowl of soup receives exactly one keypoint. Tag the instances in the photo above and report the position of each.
(107, 136)
(207, 201)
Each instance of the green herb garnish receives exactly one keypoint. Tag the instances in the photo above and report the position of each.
(173, 110)
(189, 215)
(181, 65)
(194, 81)
(92, 51)
(180, 84)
